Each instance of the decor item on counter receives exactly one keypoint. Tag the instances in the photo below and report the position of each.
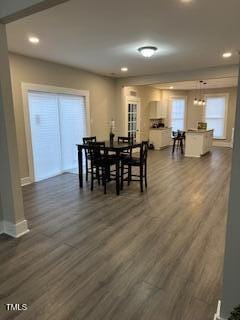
(202, 126)
(200, 100)
(235, 314)
(111, 134)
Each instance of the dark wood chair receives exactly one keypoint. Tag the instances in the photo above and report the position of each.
(178, 140)
(126, 153)
(86, 140)
(140, 162)
(101, 164)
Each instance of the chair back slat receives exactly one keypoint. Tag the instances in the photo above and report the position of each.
(95, 151)
(144, 151)
(87, 140)
(124, 139)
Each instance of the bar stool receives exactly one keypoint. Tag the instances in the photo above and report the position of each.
(178, 140)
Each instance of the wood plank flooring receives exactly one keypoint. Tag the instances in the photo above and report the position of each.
(151, 256)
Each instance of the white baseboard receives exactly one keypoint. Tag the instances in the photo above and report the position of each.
(222, 143)
(25, 181)
(217, 314)
(14, 230)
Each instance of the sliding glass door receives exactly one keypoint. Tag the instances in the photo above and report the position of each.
(58, 122)
(45, 131)
(73, 127)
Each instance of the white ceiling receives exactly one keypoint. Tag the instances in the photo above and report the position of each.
(193, 85)
(102, 36)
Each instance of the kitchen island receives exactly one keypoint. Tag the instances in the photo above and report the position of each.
(198, 142)
(160, 137)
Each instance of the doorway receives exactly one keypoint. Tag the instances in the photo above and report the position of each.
(132, 122)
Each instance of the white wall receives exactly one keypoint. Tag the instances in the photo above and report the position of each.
(146, 94)
(101, 89)
(194, 114)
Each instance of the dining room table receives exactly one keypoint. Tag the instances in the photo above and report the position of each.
(115, 147)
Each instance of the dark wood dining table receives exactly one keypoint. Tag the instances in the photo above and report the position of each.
(115, 147)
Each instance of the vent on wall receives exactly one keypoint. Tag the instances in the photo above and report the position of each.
(133, 93)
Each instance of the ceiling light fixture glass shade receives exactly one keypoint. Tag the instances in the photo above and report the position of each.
(34, 40)
(147, 51)
(195, 102)
(227, 55)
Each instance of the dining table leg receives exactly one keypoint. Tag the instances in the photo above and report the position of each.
(117, 172)
(80, 167)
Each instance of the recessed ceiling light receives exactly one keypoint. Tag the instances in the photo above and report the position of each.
(34, 40)
(124, 69)
(147, 52)
(171, 87)
(227, 55)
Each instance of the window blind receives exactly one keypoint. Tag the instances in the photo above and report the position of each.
(58, 122)
(178, 114)
(215, 111)
(44, 119)
(73, 127)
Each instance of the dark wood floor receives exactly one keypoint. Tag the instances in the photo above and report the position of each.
(151, 256)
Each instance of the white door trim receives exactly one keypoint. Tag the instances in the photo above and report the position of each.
(26, 87)
(130, 99)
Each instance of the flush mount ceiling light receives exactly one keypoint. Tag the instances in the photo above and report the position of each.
(227, 55)
(186, 1)
(124, 69)
(34, 40)
(147, 51)
(171, 87)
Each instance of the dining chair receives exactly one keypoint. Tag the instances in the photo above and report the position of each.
(86, 140)
(101, 164)
(140, 162)
(128, 140)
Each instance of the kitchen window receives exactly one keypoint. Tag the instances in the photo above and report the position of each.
(178, 111)
(216, 114)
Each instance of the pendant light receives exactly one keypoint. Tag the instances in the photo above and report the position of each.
(203, 101)
(199, 101)
(195, 102)
(200, 92)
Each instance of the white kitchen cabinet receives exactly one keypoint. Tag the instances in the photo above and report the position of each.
(160, 138)
(198, 143)
(158, 110)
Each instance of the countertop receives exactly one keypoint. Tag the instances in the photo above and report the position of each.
(198, 131)
(165, 128)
